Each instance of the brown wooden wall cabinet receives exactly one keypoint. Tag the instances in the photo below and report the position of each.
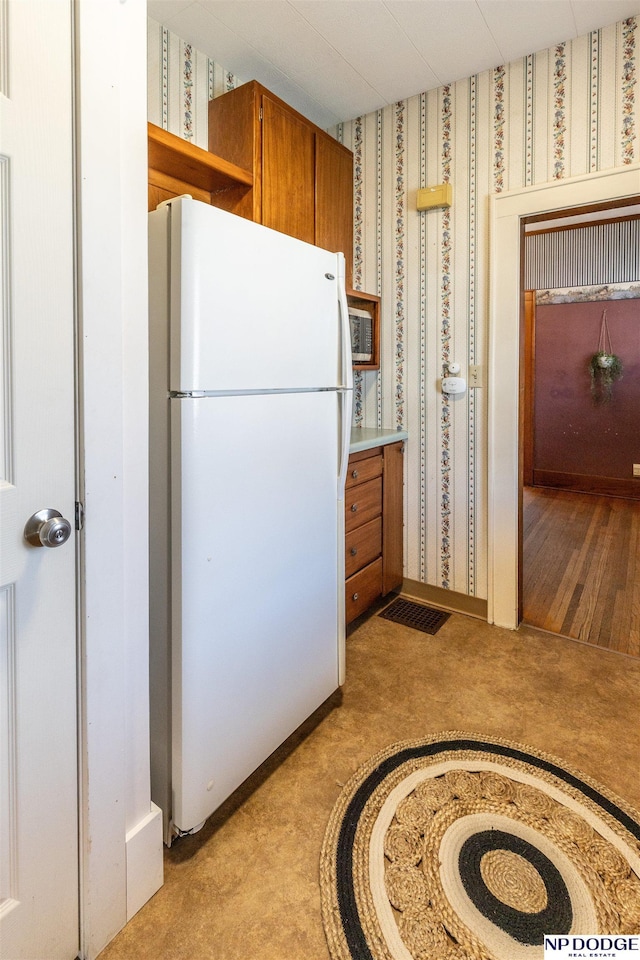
(334, 198)
(373, 526)
(303, 178)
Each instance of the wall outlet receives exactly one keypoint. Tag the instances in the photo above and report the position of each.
(636, 469)
(475, 375)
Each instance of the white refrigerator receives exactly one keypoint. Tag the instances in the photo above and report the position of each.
(250, 414)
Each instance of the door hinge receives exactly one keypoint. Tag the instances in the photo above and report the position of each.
(79, 515)
(260, 116)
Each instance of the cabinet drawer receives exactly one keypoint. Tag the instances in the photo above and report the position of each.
(363, 545)
(360, 471)
(362, 503)
(362, 589)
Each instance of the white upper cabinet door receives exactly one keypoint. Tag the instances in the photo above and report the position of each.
(257, 310)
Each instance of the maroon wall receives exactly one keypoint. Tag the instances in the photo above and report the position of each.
(572, 435)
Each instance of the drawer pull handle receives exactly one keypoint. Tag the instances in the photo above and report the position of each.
(355, 596)
(354, 507)
(354, 550)
(354, 474)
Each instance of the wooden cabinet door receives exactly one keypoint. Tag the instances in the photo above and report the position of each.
(334, 199)
(392, 513)
(288, 171)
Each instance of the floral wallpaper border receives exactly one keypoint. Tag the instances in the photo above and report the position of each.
(612, 291)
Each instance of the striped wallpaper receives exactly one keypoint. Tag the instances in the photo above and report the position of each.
(181, 81)
(551, 115)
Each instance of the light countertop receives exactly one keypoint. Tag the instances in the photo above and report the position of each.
(364, 438)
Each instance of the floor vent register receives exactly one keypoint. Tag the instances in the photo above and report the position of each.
(416, 615)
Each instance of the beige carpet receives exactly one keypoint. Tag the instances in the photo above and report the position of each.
(248, 886)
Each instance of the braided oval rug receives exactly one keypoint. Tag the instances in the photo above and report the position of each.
(460, 847)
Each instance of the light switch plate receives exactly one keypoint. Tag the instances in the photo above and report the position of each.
(475, 375)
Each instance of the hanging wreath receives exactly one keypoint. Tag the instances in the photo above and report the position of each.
(604, 366)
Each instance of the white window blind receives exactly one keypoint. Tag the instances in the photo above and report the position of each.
(597, 253)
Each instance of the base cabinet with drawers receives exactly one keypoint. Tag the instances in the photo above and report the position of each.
(373, 526)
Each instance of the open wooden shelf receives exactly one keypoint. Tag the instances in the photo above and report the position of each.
(177, 166)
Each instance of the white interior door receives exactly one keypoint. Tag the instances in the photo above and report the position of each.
(38, 743)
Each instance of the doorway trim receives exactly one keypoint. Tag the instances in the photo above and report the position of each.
(121, 829)
(504, 458)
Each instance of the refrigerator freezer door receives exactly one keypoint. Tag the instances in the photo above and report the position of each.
(251, 308)
(257, 570)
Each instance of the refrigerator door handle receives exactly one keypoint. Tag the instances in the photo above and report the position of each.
(346, 377)
(345, 399)
(345, 328)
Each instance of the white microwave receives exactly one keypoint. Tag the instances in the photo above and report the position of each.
(361, 324)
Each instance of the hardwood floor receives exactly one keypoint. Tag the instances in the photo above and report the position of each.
(581, 558)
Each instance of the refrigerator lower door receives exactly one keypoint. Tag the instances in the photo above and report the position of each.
(257, 570)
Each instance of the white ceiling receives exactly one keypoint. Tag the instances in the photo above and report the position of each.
(337, 59)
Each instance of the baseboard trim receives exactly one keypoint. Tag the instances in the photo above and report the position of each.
(627, 488)
(144, 860)
(446, 599)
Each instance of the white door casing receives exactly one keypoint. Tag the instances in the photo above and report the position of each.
(507, 209)
(38, 741)
(121, 858)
